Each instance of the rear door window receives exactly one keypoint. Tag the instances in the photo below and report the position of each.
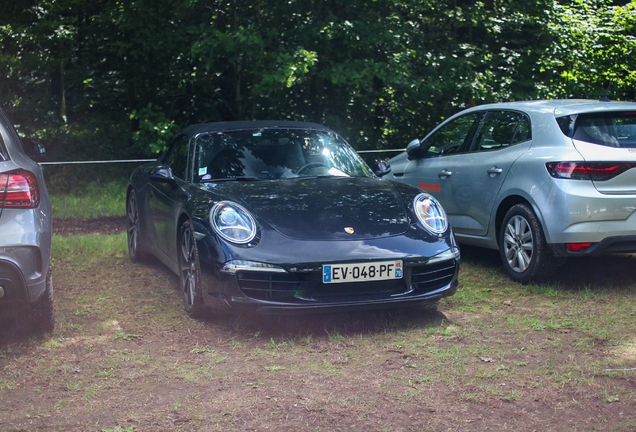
(501, 129)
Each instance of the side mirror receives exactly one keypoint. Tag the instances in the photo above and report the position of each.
(413, 150)
(34, 149)
(381, 168)
(162, 174)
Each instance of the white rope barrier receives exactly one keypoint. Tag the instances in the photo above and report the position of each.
(151, 160)
(96, 162)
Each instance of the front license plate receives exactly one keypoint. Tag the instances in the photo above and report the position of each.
(373, 271)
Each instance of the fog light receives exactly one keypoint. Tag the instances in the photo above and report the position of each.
(1, 292)
(577, 247)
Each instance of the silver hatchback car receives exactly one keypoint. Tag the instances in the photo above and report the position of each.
(26, 284)
(539, 180)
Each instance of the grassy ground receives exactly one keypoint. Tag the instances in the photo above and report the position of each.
(91, 200)
(496, 356)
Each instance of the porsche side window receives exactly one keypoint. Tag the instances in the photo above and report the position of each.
(178, 158)
(501, 129)
(450, 139)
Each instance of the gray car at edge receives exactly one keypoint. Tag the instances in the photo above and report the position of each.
(540, 181)
(26, 284)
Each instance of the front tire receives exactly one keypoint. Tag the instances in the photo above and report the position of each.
(524, 252)
(190, 272)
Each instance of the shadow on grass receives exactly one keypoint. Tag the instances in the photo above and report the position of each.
(481, 257)
(616, 272)
(344, 323)
(339, 324)
(13, 329)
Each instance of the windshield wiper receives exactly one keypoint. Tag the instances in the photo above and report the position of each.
(322, 176)
(239, 178)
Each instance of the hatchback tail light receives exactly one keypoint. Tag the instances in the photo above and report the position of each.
(19, 189)
(597, 171)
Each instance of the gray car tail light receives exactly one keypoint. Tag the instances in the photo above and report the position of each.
(19, 189)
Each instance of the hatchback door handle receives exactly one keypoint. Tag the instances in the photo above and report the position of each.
(444, 173)
(492, 172)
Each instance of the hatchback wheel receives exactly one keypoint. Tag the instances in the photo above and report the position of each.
(190, 273)
(135, 250)
(522, 246)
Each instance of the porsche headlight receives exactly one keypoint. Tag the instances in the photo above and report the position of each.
(232, 222)
(431, 213)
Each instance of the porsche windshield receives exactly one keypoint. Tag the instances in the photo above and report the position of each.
(274, 154)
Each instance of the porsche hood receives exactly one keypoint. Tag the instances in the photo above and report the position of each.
(329, 208)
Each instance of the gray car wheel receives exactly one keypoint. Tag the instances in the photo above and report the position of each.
(190, 273)
(135, 250)
(522, 246)
(40, 314)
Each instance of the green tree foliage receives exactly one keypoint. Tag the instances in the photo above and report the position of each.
(119, 77)
(595, 45)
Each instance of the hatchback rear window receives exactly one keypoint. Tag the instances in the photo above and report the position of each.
(3, 151)
(614, 129)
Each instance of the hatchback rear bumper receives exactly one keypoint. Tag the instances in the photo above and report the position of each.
(609, 245)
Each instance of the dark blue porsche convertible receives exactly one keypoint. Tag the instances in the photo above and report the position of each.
(284, 217)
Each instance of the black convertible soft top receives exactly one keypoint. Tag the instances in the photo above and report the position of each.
(251, 124)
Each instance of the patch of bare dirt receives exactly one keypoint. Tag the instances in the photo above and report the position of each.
(103, 225)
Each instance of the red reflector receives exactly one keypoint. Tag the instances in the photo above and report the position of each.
(429, 187)
(19, 189)
(577, 247)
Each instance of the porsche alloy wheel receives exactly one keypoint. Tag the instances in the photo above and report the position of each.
(189, 272)
(132, 229)
(522, 246)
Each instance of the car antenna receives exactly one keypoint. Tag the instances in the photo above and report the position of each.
(605, 98)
